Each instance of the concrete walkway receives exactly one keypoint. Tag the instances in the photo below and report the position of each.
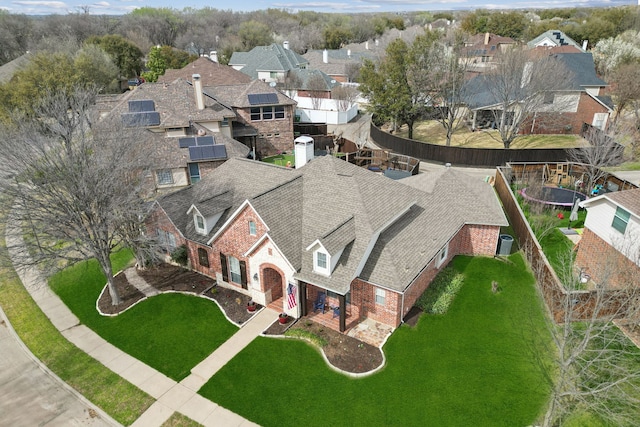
(170, 396)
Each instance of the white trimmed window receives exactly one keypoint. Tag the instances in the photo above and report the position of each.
(620, 220)
(321, 262)
(381, 296)
(252, 228)
(164, 177)
(442, 255)
(234, 269)
(198, 221)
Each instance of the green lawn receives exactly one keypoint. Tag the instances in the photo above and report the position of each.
(471, 366)
(170, 332)
(280, 159)
(433, 132)
(119, 398)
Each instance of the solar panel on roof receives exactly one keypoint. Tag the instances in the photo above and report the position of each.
(187, 142)
(262, 98)
(204, 140)
(140, 106)
(208, 152)
(145, 118)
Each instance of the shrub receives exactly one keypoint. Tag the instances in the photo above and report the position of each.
(180, 255)
(441, 292)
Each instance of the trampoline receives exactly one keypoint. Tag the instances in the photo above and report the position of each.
(555, 196)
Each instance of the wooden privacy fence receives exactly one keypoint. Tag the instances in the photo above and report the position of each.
(555, 295)
(490, 157)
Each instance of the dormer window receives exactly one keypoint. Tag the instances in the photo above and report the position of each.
(199, 223)
(321, 262)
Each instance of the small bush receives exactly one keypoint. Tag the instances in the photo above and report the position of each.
(180, 255)
(441, 292)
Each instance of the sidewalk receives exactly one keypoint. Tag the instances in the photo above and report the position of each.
(170, 396)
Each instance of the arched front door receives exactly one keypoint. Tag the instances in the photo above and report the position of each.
(273, 282)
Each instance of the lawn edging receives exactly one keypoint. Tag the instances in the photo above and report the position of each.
(326, 360)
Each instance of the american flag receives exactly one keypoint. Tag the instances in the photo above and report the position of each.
(291, 296)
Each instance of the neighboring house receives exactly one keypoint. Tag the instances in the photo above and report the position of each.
(370, 244)
(310, 88)
(609, 249)
(554, 38)
(264, 115)
(339, 64)
(271, 63)
(480, 50)
(188, 133)
(211, 73)
(562, 111)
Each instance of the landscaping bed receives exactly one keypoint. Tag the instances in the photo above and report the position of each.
(172, 278)
(344, 352)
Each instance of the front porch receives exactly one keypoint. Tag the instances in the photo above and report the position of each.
(329, 317)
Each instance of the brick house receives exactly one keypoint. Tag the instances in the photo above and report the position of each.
(187, 133)
(563, 111)
(371, 245)
(264, 115)
(609, 250)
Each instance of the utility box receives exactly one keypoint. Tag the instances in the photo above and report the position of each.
(303, 150)
(504, 244)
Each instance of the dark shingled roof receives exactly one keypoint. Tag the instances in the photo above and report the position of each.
(389, 230)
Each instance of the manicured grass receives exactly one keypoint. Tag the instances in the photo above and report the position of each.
(119, 398)
(281, 159)
(170, 332)
(433, 132)
(627, 166)
(471, 366)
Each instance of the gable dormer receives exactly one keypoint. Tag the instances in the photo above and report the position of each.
(326, 250)
(207, 212)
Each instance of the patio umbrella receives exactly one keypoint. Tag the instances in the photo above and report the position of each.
(574, 211)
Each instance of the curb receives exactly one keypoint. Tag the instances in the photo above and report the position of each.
(102, 414)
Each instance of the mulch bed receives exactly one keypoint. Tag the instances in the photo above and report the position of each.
(344, 352)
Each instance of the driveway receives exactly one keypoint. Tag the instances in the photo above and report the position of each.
(31, 397)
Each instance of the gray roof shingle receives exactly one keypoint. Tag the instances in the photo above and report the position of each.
(345, 206)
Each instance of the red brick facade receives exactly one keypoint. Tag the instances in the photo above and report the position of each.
(604, 263)
(236, 241)
(273, 135)
(566, 123)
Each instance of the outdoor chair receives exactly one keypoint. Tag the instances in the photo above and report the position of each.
(320, 300)
(336, 312)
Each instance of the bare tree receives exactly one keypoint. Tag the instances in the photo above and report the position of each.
(345, 96)
(437, 72)
(603, 151)
(77, 185)
(520, 87)
(316, 88)
(594, 367)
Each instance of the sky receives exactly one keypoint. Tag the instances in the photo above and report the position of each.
(120, 7)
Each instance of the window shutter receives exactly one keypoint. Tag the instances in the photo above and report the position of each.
(243, 274)
(225, 267)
